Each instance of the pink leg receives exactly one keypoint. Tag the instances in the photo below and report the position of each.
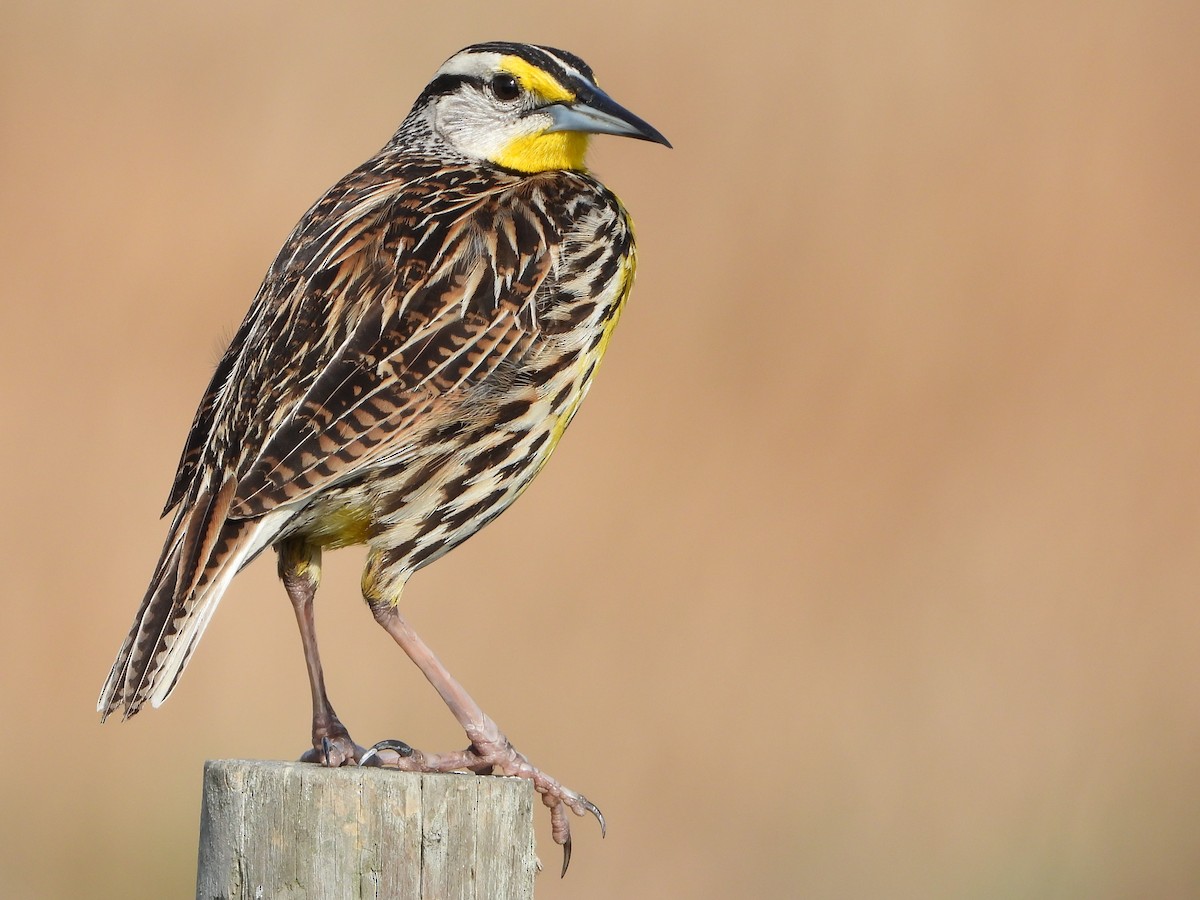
(490, 751)
(300, 571)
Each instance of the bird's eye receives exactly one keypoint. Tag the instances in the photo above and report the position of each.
(505, 87)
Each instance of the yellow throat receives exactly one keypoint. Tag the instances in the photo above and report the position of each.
(542, 152)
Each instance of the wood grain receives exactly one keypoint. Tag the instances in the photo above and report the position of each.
(296, 830)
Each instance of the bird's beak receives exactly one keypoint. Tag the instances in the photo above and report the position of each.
(598, 113)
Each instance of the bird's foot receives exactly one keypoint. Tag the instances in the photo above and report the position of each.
(493, 755)
(334, 747)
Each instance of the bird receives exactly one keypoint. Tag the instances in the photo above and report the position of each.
(411, 360)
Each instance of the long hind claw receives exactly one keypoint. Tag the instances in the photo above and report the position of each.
(373, 757)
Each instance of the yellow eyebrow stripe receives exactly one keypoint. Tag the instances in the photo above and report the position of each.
(537, 80)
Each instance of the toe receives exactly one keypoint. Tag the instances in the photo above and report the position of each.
(335, 751)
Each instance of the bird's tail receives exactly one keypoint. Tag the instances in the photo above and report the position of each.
(204, 550)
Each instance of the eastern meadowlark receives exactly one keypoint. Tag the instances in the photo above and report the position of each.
(409, 364)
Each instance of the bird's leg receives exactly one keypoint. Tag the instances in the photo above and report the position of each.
(300, 571)
(490, 752)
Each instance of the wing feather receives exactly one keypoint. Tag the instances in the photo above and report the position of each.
(433, 324)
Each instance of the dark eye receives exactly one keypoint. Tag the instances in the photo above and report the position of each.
(505, 87)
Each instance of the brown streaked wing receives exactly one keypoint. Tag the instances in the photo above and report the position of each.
(190, 460)
(423, 332)
(350, 206)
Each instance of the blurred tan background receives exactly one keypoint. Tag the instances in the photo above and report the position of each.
(869, 568)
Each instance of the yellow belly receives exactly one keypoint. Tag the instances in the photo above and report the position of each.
(341, 526)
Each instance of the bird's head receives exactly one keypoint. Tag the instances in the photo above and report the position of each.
(523, 107)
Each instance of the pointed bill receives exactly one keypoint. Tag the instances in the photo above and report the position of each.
(598, 113)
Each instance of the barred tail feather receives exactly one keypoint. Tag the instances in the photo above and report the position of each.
(203, 551)
(253, 536)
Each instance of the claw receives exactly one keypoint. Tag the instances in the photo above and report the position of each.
(595, 811)
(566, 828)
(326, 746)
(391, 744)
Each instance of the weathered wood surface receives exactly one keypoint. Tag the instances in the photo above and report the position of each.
(294, 830)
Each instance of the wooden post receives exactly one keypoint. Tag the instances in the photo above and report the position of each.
(297, 830)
